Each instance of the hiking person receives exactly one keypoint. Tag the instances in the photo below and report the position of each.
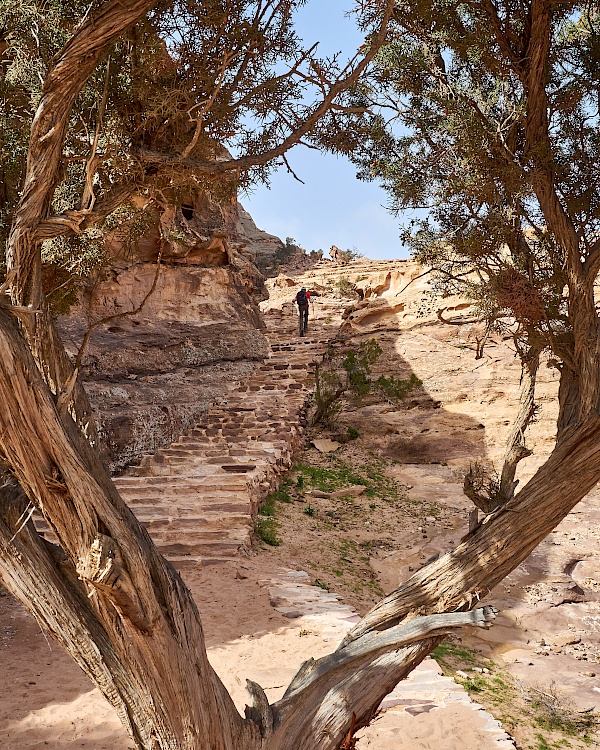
(302, 299)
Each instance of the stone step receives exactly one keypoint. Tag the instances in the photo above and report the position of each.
(208, 548)
(188, 499)
(196, 496)
(195, 537)
(192, 562)
(145, 511)
(176, 482)
(209, 521)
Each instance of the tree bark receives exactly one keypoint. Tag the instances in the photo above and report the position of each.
(580, 394)
(40, 575)
(341, 692)
(66, 78)
(105, 592)
(516, 450)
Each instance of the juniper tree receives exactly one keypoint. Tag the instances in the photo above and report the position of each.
(485, 115)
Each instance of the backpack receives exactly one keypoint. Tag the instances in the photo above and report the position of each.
(301, 299)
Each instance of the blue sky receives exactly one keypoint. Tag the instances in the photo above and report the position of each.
(333, 207)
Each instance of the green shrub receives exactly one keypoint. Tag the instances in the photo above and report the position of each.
(265, 528)
(345, 287)
(396, 389)
(341, 374)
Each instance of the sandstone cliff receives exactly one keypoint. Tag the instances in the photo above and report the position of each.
(153, 374)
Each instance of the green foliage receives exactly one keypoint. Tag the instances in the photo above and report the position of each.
(449, 653)
(271, 265)
(545, 709)
(310, 511)
(266, 530)
(396, 389)
(347, 375)
(266, 525)
(328, 479)
(345, 287)
(454, 139)
(357, 364)
(269, 507)
(353, 254)
(353, 433)
(338, 475)
(237, 79)
(553, 713)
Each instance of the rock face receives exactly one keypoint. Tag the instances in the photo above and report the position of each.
(264, 246)
(153, 374)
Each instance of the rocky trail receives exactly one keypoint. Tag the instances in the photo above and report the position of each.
(198, 497)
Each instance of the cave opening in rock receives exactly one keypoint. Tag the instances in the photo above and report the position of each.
(188, 211)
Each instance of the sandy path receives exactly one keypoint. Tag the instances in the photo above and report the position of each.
(47, 703)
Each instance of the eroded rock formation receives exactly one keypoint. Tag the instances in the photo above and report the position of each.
(152, 375)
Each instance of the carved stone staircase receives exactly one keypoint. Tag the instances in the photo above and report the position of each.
(198, 497)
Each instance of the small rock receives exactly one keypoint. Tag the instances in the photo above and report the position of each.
(588, 674)
(240, 576)
(460, 673)
(567, 639)
(326, 446)
(354, 491)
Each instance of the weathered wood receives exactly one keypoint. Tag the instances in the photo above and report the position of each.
(40, 575)
(516, 449)
(394, 638)
(64, 81)
(329, 698)
(106, 594)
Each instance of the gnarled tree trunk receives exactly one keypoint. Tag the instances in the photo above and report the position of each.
(129, 621)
